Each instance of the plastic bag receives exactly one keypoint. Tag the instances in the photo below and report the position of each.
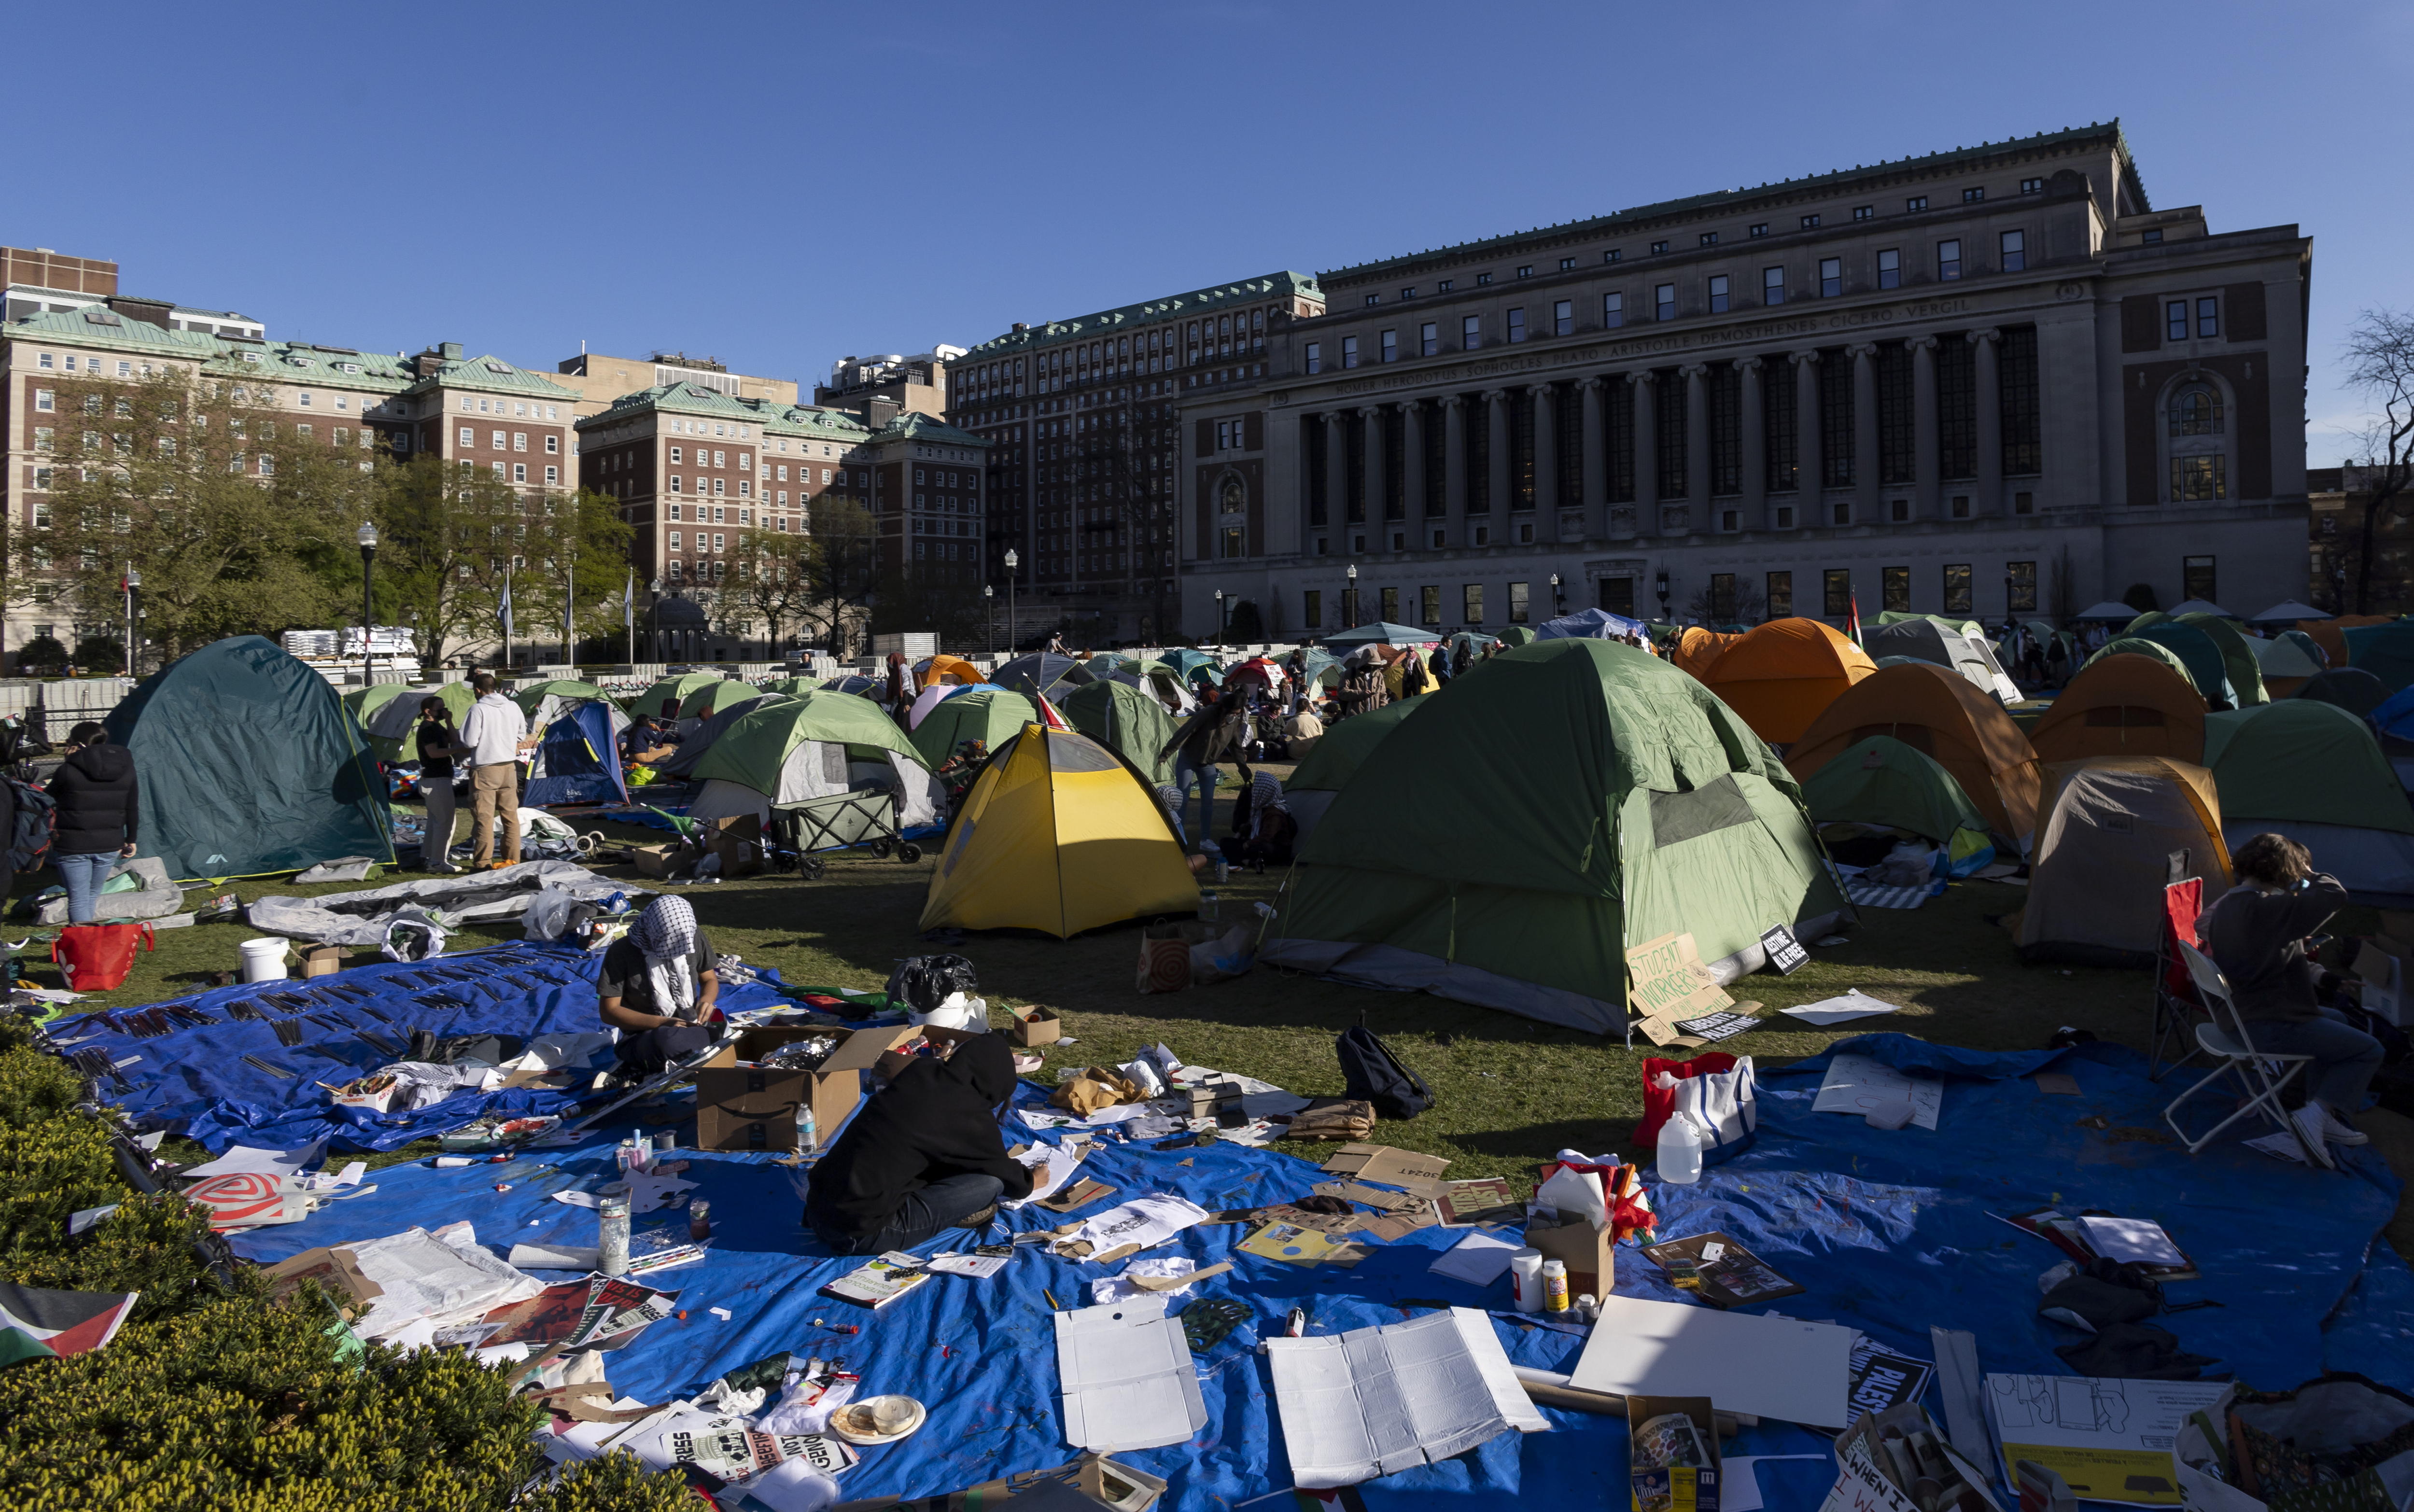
(923, 983)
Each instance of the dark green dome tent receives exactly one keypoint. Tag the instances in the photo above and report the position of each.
(1339, 752)
(1598, 798)
(250, 765)
(1131, 723)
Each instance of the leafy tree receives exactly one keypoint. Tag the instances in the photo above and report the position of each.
(844, 567)
(228, 508)
(2141, 597)
(772, 580)
(43, 651)
(101, 653)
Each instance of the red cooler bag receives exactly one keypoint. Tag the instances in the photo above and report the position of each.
(95, 958)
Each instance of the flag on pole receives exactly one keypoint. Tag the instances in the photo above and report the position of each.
(1047, 715)
(1853, 619)
(503, 611)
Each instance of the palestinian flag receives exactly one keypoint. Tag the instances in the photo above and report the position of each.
(1047, 714)
(1852, 619)
(63, 1322)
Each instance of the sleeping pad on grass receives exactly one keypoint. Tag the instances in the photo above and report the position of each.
(195, 1082)
(1890, 1232)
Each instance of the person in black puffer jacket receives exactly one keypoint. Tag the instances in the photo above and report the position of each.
(98, 815)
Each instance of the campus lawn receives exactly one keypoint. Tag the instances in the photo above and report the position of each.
(1509, 1091)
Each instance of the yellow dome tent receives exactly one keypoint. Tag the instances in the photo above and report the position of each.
(1060, 836)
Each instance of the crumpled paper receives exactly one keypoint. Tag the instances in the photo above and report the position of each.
(1095, 1087)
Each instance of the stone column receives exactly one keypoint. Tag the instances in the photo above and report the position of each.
(1546, 463)
(1990, 501)
(1926, 464)
(1412, 463)
(1453, 469)
(1594, 476)
(1495, 418)
(1754, 444)
(1371, 420)
(1336, 476)
(1697, 443)
(1646, 452)
(1866, 506)
(1809, 508)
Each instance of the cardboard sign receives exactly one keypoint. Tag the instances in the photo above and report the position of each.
(1785, 953)
(1667, 981)
(1417, 1173)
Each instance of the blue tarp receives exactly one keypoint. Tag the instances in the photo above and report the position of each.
(195, 1082)
(1890, 1232)
(1590, 624)
(578, 761)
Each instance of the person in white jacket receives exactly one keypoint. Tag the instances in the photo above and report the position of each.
(495, 732)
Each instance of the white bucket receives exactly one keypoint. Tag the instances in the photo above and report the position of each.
(263, 960)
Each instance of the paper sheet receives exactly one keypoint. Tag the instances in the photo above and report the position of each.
(1798, 1372)
(1860, 1085)
(1124, 1371)
(1478, 1259)
(426, 1280)
(2106, 1438)
(2132, 1239)
(1374, 1401)
(1852, 1004)
(1051, 1168)
(1143, 1222)
(247, 1160)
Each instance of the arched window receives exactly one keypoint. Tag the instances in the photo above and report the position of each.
(1231, 498)
(2196, 411)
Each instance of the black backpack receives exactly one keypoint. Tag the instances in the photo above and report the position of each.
(1373, 1073)
(29, 845)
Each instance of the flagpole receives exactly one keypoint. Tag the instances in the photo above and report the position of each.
(629, 613)
(570, 614)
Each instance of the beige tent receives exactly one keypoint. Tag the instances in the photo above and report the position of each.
(2104, 854)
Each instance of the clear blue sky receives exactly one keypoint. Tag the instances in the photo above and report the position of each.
(779, 185)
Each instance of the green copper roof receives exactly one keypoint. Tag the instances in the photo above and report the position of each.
(686, 398)
(493, 374)
(1109, 322)
(1622, 220)
(914, 425)
(291, 361)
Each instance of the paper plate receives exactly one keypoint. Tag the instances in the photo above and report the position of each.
(877, 1420)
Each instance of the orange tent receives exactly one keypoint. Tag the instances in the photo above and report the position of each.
(954, 669)
(1697, 648)
(2330, 634)
(1780, 676)
(1941, 714)
(2123, 704)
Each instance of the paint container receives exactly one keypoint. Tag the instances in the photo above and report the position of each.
(1526, 1279)
(612, 1236)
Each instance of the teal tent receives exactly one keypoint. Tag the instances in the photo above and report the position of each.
(1383, 633)
(1594, 798)
(1889, 783)
(250, 765)
(2199, 652)
(2386, 651)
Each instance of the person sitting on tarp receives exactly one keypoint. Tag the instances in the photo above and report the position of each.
(2256, 933)
(926, 1152)
(657, 988)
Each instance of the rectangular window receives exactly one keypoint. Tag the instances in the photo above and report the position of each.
(1470, 333)
(1470, 604)
(1957, 588)
(1391, 345)
(519, 440)
(468, 436)
(1719, 294)
(1838, 586)
(1971, 197)
(1665, 298)
(2020, 586)
(1810, 222)
(675, 485)
(1311, 604)
(1722, 597)
(46, 399)
(675, 541)
(1428, 339)
(1956, 409)
(2197, 577)
(1780, 596)
(1916, 204)
(1894, 589)
(1517, 603)
(2208, 316)
(2033, 186)
(1315, 357)
(1772, 286)
(1779, 414)
(2175, 320)
(503, 442)
(1831, 278)
(1613, 311)
(2198, 478)
(2017, 378)
(1517, 324)
(1890, 268)
(1564, 317)
(1948, 261)
(1390, 606)
(519, 471)
(1429, 604)
(2013, 248)
(2023, 502)
(1233, 547)
(1348, 352)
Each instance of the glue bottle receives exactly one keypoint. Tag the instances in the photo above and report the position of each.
(1680, 1150)
(1555, 1286)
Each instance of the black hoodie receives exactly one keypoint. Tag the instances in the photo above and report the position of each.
(97, 801)
(937, 1120)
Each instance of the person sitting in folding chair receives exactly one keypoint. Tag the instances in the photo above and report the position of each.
(2256, 933)
(657, 988)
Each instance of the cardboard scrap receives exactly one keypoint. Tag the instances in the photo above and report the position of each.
(1080, 1195)
(1397, 1226)
(1489, 1200)
(1166, 1284)
(336, 1270)
(1365, 1196)
(2056, 1083)
(1416, 1173)
(1667, 981)
(1295, 1246)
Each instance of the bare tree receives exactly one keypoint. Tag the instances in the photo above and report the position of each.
(2381, 363)
(772, 580)
(1749, 605)
(844, 565)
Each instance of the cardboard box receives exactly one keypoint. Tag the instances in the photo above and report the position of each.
(736, 840)
(1588, 1253)
(1678, 1489)
(1034, 1026)
(324, 961)
(664, 859)
(738, 1107)
(2386, 968)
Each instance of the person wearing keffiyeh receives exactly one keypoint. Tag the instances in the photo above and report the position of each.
(657, 987)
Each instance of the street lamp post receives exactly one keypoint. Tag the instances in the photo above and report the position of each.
(1012, 562)
(1663, 589)
(133, 581)
(988, 613)
(1349, 600)
(368, 537)
(1559, 599)
(1219, 616)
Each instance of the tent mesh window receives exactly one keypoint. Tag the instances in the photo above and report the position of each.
(1685, 816)
(1072, 753)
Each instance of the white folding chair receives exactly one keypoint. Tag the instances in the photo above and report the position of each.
(2251, 1070)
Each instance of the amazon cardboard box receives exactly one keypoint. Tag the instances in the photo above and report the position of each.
(324, 961)
(1032, 1026)
(741, 1106)
(1658, 1481)
(1588, 1253)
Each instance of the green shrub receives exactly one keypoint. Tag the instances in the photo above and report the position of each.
(213, 1397)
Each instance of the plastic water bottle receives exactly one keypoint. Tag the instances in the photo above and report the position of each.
(1680, 1152)
(809, 1139)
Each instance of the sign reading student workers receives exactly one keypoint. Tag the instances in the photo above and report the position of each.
(1666, 979)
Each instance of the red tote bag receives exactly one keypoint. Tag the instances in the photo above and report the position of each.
(1659, 1101)
(95, 958)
